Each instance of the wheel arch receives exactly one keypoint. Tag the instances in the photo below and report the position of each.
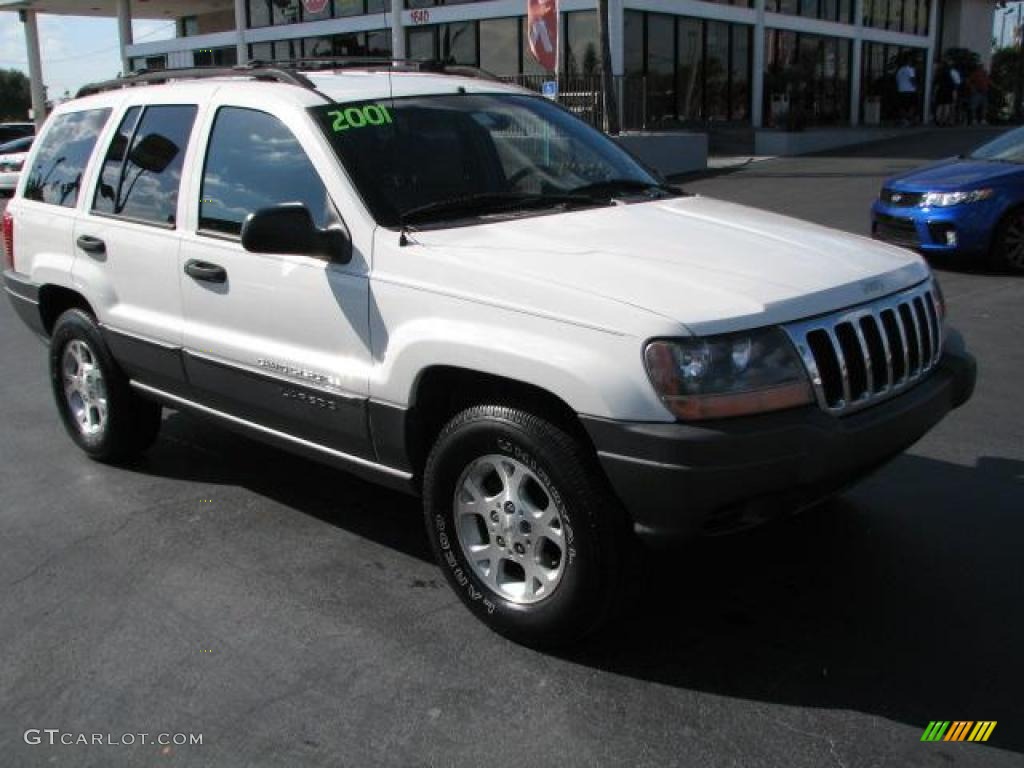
(441, 391)
(54, 300)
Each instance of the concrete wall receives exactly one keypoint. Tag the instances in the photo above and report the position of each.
(968, 24)
(775, 143)
(668, 153)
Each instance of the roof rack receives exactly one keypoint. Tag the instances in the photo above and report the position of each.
(256, 70)
(285, 71)
(325, 63)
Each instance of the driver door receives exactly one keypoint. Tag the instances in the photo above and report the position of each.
(281, 341)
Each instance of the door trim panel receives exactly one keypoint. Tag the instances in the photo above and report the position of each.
(369, 470)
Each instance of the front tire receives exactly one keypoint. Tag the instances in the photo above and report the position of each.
(1008, 244)
(524, 526)
(101, 413)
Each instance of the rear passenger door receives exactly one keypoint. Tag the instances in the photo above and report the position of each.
(278, 340)
(128, 240)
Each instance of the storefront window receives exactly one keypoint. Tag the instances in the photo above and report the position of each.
(827, 10)
(690, 42)
(582, 55)
(807, 79)
(880, 100)
(348, 7)
(687, 70)
(910, 16)
(422, 43)
(499, 46)
(661, 64)
(458, 43)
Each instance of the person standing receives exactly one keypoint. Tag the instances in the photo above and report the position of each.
(958, 93)
(906, 88)
(979, 84)
(943, 94)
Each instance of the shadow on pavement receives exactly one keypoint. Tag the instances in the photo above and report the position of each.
(902, 599)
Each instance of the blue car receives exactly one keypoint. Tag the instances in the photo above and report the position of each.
(972, 205)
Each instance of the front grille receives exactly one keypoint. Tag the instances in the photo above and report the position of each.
(861, 356)
(895, 230)
(899, 199)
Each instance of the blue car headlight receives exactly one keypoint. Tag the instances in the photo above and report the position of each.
(946, 199)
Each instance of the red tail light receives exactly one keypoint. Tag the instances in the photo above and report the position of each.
(8, 240)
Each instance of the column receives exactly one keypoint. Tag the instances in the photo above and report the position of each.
(35, 67)
(124, 28)
(241, 22)
(929, 58)
(757, 69)
(856, 61)
(397, 29)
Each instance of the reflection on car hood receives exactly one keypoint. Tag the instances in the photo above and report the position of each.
(710, 265)
(956, 174)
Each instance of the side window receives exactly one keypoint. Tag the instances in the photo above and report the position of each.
(254, 162)
(56, 174)
(142, 183)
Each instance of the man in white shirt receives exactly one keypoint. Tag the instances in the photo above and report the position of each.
(906, 87)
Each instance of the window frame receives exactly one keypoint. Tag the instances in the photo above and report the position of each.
(98, 175)
(87, 167)
(229, 237)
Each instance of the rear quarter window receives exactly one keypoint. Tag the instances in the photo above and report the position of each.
(56, 173)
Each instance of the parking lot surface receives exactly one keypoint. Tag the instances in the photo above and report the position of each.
(292, 615)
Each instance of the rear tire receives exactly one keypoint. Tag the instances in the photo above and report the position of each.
(101, 413)
(1008, 243)
(524, 525)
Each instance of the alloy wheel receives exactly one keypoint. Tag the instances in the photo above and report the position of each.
(509, 529)
(85, 389)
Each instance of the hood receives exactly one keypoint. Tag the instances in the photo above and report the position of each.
(710, 265)
(955, 174)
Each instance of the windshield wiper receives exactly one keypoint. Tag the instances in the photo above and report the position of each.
(615, 187)
(492, 202)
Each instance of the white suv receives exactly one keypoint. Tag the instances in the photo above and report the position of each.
(456, 288)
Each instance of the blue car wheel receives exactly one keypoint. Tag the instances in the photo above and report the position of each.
(1008, 246)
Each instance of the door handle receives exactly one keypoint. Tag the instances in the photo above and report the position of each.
(204, 270)
(91, 244)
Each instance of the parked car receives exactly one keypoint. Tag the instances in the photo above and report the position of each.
(455, 288)
(12, 158)
(970, 206)
(12, 131)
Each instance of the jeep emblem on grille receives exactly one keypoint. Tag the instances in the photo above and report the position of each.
(896, 197)
(873, 286)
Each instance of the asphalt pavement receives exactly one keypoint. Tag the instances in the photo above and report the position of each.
(292, 615)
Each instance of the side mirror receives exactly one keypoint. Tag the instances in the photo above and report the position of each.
(154, 153)
(289, 228)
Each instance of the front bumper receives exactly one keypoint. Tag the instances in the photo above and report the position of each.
(678, 480)
(927, 229)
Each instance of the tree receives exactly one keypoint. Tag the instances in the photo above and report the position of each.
(15, 95)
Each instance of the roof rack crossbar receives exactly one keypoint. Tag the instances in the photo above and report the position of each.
(284, 71)
(151, 77)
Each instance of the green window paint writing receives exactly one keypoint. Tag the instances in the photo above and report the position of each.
(360, 117)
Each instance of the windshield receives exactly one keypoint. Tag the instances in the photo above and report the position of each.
(1008, 148)
(445, 157)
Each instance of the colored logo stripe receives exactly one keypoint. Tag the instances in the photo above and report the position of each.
(958, 730)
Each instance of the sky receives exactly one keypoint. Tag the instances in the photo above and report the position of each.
(76, 49)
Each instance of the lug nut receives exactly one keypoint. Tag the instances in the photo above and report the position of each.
(520, 549)
(494, 515)
(510, 508)
(501, 541)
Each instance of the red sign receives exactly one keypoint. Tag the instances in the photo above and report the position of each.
(421, 16)
(542, 26)
(314, 6)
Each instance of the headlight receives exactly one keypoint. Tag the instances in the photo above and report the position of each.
(946, 199)
(729, 375)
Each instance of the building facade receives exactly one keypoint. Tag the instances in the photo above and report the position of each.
(677, 63)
